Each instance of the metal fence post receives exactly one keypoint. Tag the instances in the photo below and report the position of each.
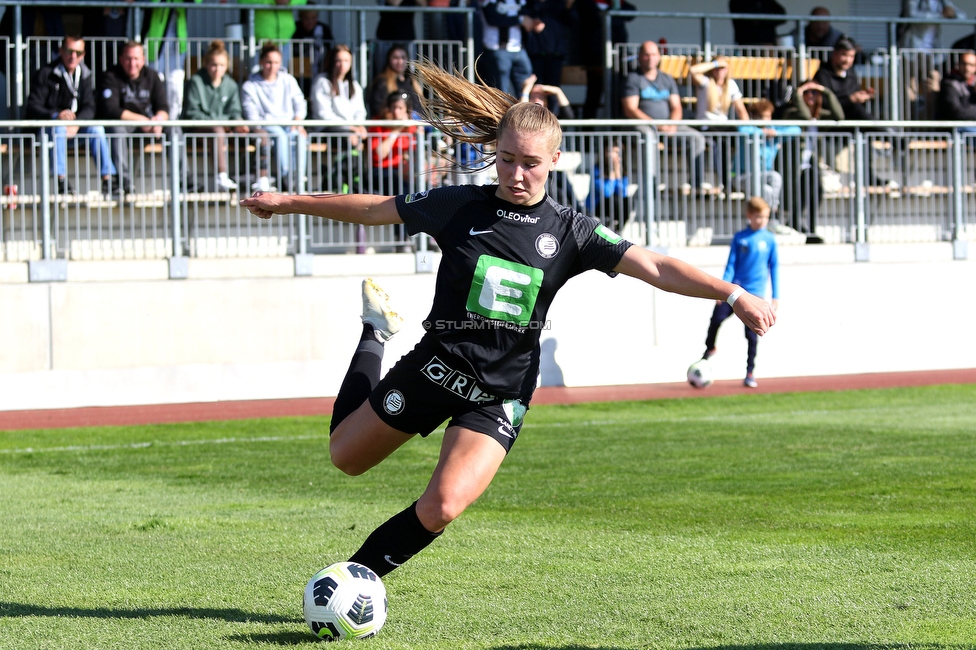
(178, 265)
(758, 168)
(45, 197)
(18, 60)
(650, 188)
(959, 245)
(861, 252)
(893, 65)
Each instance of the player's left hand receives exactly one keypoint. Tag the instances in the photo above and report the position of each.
(757, 314)
(262, 204)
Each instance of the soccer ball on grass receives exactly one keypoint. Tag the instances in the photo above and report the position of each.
(345, 601)
(700, 374)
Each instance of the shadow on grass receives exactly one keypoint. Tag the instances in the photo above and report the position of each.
(762, 646)
(276, 638)
(17, 610)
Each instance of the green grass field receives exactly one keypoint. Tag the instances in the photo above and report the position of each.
(823, 520)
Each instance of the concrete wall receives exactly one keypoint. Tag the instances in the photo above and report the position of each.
(120, 333)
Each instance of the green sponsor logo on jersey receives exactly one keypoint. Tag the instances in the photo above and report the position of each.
(608, 234)
(503, 290)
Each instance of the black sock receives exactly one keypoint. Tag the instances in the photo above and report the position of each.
(361, 377)
(397, 540)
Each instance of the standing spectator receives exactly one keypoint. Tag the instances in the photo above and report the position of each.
(922, 35)
(211, 94)
(507, 66)
(545, 40)
(107, 22)
(771, 181)
(650, 94)
(277, 26)
(336, 95)
(754, 266)
(164, 35)
(132, 92)
(841, 78)
(957, 97)
(395, 77)
(62, 90)
(812, 102)
(272, 95)
(751, 32)
(310, 28)
(820, 33)
(592, 45)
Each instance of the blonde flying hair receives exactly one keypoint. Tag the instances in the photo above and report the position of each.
(719, 97)
(478, 114)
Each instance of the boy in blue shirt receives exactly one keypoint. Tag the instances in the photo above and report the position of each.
(753, 263)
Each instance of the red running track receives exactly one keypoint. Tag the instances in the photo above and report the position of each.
(240, 410)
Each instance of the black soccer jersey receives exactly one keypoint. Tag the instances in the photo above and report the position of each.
(501, 268)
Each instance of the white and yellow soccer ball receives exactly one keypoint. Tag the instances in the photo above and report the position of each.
(345, 601)
(700, 374)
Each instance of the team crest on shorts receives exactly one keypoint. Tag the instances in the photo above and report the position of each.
(394, 402)
(547, 245)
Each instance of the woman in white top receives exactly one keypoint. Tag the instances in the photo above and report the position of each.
(716, 92)
(336, 95)
(717, 95)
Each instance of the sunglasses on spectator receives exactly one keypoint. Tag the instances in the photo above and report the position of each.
(75, 52)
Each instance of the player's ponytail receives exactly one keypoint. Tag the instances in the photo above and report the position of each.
(479, 114)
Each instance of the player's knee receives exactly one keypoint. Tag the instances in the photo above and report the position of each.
(436, 512)
(345, 461)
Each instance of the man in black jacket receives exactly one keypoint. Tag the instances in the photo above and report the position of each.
(134, 93)
(62, 90)
(957, 97)
(839, 76)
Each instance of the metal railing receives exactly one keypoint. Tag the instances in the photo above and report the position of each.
(912, 183)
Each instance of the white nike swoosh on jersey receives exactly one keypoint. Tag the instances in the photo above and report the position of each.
(474, 232)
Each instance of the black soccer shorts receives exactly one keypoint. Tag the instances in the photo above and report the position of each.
(427, 387)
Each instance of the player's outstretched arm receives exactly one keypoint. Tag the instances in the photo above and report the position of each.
(673, 275)
(367, 209)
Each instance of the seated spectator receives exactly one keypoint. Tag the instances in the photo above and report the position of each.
(840, 77)
(395, 77)
(544, 94)
(650, 94)
(394, 27)
(273, 95)
(310, 28)
(62, 90)
(812, 102)
(392, 149)
(771, 181)
(717, 95)
(134, 93)
(212, 94)
(336, 95)
(394, 160)
(609, 197)
(957, 97)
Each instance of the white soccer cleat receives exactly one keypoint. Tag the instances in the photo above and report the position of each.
(377, 312)
(225, 183)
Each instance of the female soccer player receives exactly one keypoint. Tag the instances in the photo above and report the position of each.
(507, 249)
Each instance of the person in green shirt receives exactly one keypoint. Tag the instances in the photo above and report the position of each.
(165, 36)
(212, 94)
(276, 26)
